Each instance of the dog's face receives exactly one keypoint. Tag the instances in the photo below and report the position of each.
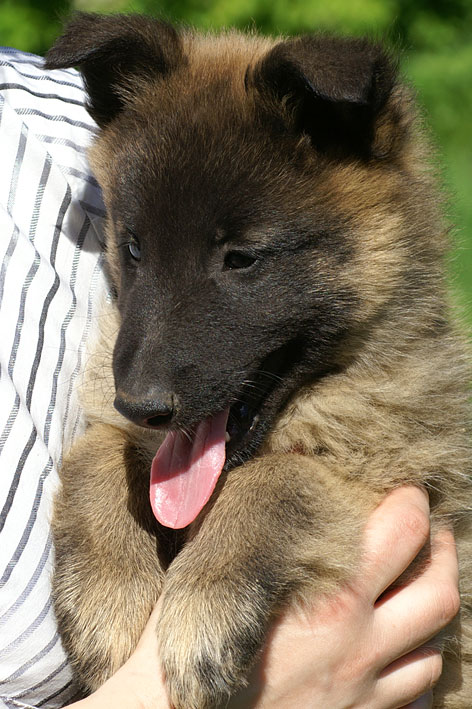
(232, 174)
(230, 289)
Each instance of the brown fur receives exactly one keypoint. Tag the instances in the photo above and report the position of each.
(392, 409)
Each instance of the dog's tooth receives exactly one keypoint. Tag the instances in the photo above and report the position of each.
(227, 437)
(255, 421)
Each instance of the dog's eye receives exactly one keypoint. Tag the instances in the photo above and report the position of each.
(134, 249)
(238, 259)
(131, 243)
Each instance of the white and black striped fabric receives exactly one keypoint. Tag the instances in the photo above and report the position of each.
(51, 282)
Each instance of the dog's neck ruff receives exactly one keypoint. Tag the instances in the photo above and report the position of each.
(185, 470)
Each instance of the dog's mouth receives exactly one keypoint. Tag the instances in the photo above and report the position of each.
(255, 404)
(187, 465)
(242, 422)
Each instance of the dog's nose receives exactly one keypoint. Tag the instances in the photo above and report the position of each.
(155, 410)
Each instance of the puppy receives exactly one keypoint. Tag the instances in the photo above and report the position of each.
(280, 346)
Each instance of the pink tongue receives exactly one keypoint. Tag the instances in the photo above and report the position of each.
(185, 470)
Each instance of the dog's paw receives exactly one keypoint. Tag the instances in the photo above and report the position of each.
(209, 636)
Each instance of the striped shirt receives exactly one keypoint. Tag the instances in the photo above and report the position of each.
(51, 281)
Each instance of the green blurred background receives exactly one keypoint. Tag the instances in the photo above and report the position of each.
(433, 38)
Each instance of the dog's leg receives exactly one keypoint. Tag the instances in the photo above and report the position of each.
(108, 574)
(282, 526)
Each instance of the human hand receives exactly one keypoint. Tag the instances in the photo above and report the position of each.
(349, 650)
(139, 683)
(352, 650)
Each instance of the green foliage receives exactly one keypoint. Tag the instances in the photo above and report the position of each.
(31, 25)
(442, 79)
(415, 23)
(276, 16)
(433, 37)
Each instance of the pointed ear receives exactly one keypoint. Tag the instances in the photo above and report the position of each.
(334, 88)
(112, 52)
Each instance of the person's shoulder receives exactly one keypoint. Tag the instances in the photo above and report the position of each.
(29, 68)
(43, 98)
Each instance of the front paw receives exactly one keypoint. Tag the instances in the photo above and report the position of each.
(209, 635)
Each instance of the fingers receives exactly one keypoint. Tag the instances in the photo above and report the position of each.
(410, 677)
(395, 533)
(420, 610)
(148, 641)
(141, 677)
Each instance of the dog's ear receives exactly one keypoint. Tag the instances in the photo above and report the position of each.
(113, 53)
(331, 88)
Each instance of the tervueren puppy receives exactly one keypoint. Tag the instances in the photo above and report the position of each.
(284, 353)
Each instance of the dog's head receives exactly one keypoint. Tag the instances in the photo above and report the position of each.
(249, 185)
